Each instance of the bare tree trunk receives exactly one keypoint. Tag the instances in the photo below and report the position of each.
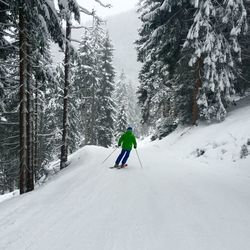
(198, 84)
(30, 171)
(93, 116)
(23, 98)
(64, 148)
(35, 159)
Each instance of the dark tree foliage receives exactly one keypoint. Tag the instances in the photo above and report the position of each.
(163, 84)
(106, 105)
(189, 50)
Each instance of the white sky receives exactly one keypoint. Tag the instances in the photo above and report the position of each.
(118, 6)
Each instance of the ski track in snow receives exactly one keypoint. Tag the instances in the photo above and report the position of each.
(174, 203)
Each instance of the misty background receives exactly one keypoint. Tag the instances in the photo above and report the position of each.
(123, 31)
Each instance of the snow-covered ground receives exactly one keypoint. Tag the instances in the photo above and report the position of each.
(193, 193)
(8, 195)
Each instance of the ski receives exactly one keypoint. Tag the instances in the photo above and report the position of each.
(120, 166)
(114, 167)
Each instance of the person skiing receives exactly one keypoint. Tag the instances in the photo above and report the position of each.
(127, 141)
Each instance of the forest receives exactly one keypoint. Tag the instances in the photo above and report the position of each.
(195, 57)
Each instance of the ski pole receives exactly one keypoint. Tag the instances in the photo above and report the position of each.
(109, 155)
(138, 157)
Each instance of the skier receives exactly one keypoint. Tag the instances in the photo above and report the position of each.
(127, 140)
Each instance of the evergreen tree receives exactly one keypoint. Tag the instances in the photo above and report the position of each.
(214, 40)
(94, 80)
(36, 23)
(121, 122)
(9, 134)
(126, 105)
(106, 106)
(32, 15)
(50, 108)
(121, 99)
(134, 111)
(165, 24)
(88, 80)
(172, 92)
(83, 72)
(8, 98)
(75, 118)
(243, 77)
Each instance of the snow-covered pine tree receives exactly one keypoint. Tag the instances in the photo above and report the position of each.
(106, 105)
(45, 13)
(127, 109)
(134, 112)
(49, 114)
(48, 110)
(213, 38)
(9, 136)
(86, 76)
(42, 73)
(165, 24)
(94, 80)
(75, 119)
(82, 74)
(243, 77)
(37, 43)
(88, 79)
(165, 79)
(9, 129)
(50, 81)
(122, 121)
(43, 22)
(122, 104)
(41, 18)
(6, 32)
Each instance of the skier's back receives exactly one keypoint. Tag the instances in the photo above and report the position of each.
(127, 141)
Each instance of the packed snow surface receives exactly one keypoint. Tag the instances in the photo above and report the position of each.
(193, 193)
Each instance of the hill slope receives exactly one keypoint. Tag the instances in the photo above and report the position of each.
(176, 201)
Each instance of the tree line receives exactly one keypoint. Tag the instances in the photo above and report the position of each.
(48, 111)
(195, 57)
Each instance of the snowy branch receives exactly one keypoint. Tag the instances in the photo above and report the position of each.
(85, 11)
(9, 123)
(73, 40)
(9, 46)
(4, 2)
(104, 5)
(6, 24)
(11, 137)
(92, 13)
(8, 33)
(11, 161)
(80, 27)
(44, 135)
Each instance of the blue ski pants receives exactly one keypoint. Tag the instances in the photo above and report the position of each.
(124, 154)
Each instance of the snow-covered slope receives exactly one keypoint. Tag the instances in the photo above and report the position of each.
(177, 201)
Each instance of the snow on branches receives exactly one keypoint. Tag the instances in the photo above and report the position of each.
(213, 38)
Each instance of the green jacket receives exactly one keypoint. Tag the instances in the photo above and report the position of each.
(127, 140)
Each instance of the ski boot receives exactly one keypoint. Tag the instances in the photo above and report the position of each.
(115, 166)
(123, 166)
